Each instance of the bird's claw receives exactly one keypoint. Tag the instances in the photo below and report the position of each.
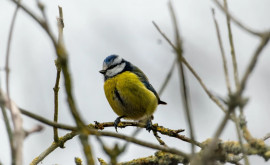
(117, 121)
(149, 125)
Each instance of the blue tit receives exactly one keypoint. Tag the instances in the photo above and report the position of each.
(128, 91)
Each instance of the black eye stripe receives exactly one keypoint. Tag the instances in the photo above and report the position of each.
(112, 66)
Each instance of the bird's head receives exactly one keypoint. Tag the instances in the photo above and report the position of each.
(112, 66)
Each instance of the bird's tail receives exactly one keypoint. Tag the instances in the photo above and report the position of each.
(161, 102)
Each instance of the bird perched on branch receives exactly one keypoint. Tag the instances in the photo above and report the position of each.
(128, 91)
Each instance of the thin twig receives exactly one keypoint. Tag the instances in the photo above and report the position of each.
(183, 79)
(40, 21)
(267, 136)
(46, 121)
(18, 133)
(210, 95)
(236, 81)
(237, 22)
(62, 55)
(8, 128)
(252, 63)
(225, 67)
(37, 128)
(7, 69)
(56, 88)
(235, 68)
(168, 77)
(17, 140)
(161, 142)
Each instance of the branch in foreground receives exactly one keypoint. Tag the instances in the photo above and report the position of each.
(18, 134)
(92, 131)
(165, 158)
(258, 147)
(101, 126)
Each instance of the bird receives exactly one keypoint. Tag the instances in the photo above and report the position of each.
(128, 91)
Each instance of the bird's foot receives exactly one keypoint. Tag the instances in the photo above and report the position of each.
(149, 125)
(117, 121)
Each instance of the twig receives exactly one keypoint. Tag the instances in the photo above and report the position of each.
(101, 126)
(235, 68)
(15, 154)
(63, 58)
(108, 134)
(236, 81)
(252, 63)
(159, 158)
(115, 151)
(37, 128)
(235, 99)
(18, 134)
(155, 127)
(267, 136)
(112, 152)
(226, 71)
(183, 85)
(8, 128)
(161, 142)
(168, 77)
(56, 89)
(237, 22)
(41, 22)
(46, 121)
(211, 96)
(53, 146)
(222, 54)
(237, 125)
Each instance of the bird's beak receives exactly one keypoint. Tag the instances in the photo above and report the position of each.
(102, 71)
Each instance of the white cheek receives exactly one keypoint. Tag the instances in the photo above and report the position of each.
(116, 61)
(104, 66)
(114, 71)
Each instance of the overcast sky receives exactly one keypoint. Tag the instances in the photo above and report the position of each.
(96, 29)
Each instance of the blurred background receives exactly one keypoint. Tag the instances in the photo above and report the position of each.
(96, 29)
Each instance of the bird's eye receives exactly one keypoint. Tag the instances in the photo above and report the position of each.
(110, 67)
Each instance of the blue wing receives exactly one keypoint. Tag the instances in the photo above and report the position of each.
(145, 81)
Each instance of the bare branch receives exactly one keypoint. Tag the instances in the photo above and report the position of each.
(183, 79)
(14, 151)
(46, 121)
(225, 67)
(211, 96)
(252, 63)
(235, 68)
(237, 22)
(168, 77)
(91, 131)
(37, 128)
(18, 134)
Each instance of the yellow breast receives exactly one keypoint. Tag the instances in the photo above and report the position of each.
(128, 96)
